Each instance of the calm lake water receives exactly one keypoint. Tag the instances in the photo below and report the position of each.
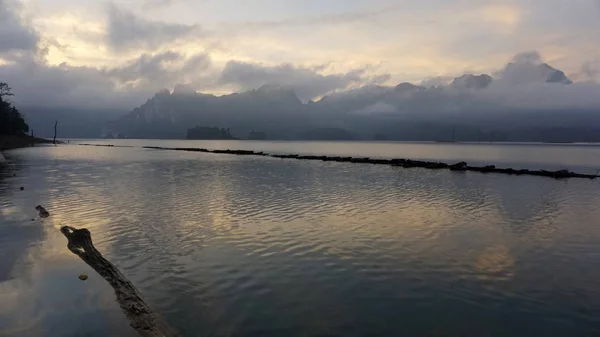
(225, 245)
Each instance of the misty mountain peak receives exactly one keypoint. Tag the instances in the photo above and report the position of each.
(163, 93)
(183, 89)
(276, 92)
(365, 92)
(554, 75)
(520, 73)
(270, 87)
(406, 87)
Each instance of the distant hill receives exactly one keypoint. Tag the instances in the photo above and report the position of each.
(72, 123)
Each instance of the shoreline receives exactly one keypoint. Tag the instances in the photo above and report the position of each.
(397, 162)
(8, 142)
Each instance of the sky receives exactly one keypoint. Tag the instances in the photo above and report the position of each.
(118, 53)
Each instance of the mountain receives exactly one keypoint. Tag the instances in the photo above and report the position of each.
(503, 107)
(169, 115)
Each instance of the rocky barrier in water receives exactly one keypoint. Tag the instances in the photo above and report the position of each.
(141, 317)
(404, 163)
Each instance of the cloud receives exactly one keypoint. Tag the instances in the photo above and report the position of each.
(157, 5)
(377, 108)
(196, 63)
(526, 83)
(15, 34)
(518, 85)
(37, 84)
(158, 2)
(436, 81)
(591, 70)
(308, 83)
(121, 87)
(125, 30)
(146, 67)
(161, 70)
(327, 19)
(505, 15)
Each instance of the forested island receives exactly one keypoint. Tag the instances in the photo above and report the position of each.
(209, 133)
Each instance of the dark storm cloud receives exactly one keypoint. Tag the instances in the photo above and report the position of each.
(306, 82)
(15, 34)
(125, 30)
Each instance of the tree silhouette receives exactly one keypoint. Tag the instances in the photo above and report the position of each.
(11, 120)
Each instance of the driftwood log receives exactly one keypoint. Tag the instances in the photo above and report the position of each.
(140, 315)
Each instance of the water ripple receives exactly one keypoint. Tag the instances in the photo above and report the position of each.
(240, 246)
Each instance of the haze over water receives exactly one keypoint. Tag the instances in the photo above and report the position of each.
(226, 245)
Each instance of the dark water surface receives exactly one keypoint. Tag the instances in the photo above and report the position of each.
(249, 246)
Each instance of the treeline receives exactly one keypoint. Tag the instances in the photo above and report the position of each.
(11, 120)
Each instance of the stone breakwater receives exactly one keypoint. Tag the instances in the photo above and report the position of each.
(403, 163)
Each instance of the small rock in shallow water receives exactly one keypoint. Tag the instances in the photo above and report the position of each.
(43, 212)
(83, 277)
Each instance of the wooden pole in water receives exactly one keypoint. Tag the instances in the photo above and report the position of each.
(55, 124)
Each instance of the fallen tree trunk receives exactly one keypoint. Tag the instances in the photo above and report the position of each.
(140, 315)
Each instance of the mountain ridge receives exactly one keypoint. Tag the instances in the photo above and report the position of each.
(368, 109)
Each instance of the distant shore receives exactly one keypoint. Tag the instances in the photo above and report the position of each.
(15, 142)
